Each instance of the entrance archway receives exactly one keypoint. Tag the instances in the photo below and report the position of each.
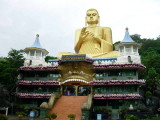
(74, 87)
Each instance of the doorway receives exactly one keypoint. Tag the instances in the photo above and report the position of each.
(69, 90)
(84, 90)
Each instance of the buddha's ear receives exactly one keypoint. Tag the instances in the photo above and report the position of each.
(98, 20)
(85, 21)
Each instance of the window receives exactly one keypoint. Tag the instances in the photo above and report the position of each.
(30, 74)
(121, 49)
(130, 73)
(53, 75)
(114, 73)
(38, 53)
(43, 74)
(134, 49)
(32, 53)
(128, 48)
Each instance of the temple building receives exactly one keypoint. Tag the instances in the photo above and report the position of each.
(103, 78)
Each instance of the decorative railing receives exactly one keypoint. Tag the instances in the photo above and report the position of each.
(37, 82)
(117, 82)
(71, 80)
(118, 66)
(117, 96)
(33, 95)
(104, 60)
(38, 68)
(89, 60)
(87, 105)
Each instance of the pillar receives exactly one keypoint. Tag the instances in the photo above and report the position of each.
(132, 49)
(92, 90)
(29, 55)
(35, 53)
(124, 50)
(61, 90)
(137, 50)
(76, 90)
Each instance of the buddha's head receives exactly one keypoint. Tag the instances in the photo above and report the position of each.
(92, 16)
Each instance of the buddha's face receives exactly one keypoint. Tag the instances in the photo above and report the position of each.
(92, 17)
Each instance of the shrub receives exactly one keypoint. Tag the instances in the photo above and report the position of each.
(20, 113)
(123, 109)
(131, 117)
(3, 117)
(72, 116)
(47, 116)
(53, 115)
(109, 110)
(148, 93)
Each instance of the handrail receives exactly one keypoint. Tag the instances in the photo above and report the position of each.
(87, 105)
(51, 101)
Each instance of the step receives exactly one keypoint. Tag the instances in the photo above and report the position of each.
(69, 105)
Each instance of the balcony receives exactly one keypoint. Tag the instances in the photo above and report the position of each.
(41, 78)
(117, 82)
(118, 96)
(38, 68)
(37, 82)
(34, 95)
(119, 66)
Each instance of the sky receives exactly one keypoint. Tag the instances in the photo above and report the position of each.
(57, 20)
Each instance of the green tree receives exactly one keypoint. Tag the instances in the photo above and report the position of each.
(47, 58)
(150, 57)
(137, 38)
(9, 66)
(152, 78)
(116, 43)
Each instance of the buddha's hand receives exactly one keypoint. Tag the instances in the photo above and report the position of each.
(84, 34)
(97, 38)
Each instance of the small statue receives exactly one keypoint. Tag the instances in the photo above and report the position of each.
(131, 107)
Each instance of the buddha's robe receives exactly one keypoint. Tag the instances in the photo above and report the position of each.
(92, 46)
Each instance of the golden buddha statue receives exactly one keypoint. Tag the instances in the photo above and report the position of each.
(93, 39)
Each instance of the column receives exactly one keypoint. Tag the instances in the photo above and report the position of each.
(76, 90)
(124, 50)
(35, 54)
(61, 90)
(137, 50)
(41, 55)
(92, 92)
(29, 55)
(132, 49)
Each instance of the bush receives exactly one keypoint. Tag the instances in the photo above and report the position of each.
(47, 115)
(53, 115)
(102, 109)
(72, 116)
(131, 117)
(148, 93)
(3, 117)
(155, 118)
(123, 110)
(152, 118)
(20, 113)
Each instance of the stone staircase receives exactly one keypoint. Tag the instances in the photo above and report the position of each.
(68, 105)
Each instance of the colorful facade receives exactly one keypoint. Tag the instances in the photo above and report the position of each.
(112, 83)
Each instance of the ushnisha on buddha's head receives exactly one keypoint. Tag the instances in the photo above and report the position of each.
(92, 16)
